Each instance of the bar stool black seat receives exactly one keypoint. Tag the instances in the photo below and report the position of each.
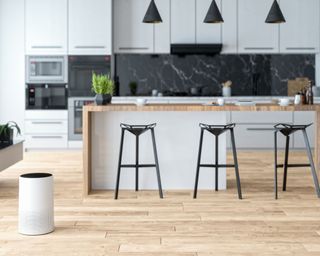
(287, 130)
(217, 130)
(138, 130)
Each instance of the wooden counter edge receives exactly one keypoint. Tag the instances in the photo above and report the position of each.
(200, 107)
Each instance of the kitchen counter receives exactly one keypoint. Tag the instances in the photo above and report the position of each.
(199, 107)
(177, 134)
(200, 100)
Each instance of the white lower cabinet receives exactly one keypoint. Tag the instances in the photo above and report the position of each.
(304, 118)
(45, 129)
(248, 136)
(249, 125)
(46, 141)
(248, 133)
(46, 126)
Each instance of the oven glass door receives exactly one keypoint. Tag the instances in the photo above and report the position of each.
(77, 126)
(40, 96)
(80, 73)
(75, 117)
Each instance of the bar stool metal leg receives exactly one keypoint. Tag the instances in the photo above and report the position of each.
(198, 165)
(285, 166)
(236, 166)
(157, 162)
(313, 169)
(275, 165)
(119, 165)
(137, 162)
(217, 163)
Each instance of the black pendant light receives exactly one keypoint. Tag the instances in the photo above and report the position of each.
(213, 15)
(275, 14)
(152, 14)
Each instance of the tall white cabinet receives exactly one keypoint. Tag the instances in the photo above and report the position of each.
(187, 25)
(90, 27)
(229, 27)
(183, 25)
(254, 35)
(206, 33)
(131, 35)
(162, 30)
(300, 34)
(46, 26)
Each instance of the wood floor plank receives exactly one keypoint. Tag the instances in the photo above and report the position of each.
(140, 224)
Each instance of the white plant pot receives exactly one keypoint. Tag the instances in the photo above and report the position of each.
(226, 91)
(36, 216)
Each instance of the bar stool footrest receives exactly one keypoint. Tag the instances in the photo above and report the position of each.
(219, 165)
(293, 165)
(137, 165)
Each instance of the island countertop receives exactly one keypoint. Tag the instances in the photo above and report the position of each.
(90, 110)
(200, 107)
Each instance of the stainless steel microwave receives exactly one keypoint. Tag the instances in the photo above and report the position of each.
(47, 69)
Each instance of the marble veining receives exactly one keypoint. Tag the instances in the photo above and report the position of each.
(264, 75)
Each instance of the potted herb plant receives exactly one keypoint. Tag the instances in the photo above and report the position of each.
(6, 133)
(103, 86)
(133, 88)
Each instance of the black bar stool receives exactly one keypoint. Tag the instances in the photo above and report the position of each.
(287, 130)
(137, 130)
(217, 130)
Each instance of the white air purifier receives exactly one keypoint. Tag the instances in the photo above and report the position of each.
(36, 215)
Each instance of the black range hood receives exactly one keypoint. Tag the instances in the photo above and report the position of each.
(187, 49)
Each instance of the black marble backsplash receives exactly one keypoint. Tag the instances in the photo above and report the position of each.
(262, 75)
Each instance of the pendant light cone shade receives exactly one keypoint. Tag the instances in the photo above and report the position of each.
(275, 14)
(213, 15)
(152, 14)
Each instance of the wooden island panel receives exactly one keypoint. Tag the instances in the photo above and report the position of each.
(89, 109)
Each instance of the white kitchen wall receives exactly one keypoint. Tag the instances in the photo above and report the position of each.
(12, 61)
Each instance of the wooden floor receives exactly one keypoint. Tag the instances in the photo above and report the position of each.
(140, 224)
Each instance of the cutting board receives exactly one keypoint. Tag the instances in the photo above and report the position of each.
(294, 86)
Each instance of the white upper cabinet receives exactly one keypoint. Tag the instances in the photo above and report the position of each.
(46, 26)
(183, 25)
(300, 34)
(206, 33)
(131, 35)
(90, 27)
(229, 27)
(254, 35)
(162, 30)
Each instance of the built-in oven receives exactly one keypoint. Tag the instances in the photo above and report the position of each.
(46, 69)
(75, 106)
(46, 96)
(80, 73)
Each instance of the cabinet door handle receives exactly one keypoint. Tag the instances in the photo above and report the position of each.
(46, 122)
(301, 48)
(47, 137)
(90, 47)
(259, 48)
(46, 47)
(133, 48)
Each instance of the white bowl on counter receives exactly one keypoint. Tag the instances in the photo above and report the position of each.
(141, 102)
(284, 102)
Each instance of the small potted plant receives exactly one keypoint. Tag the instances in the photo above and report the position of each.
(6, 133)
(133, 88)
(103, 86)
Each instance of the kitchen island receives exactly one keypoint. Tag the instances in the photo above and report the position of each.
(177, 137)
